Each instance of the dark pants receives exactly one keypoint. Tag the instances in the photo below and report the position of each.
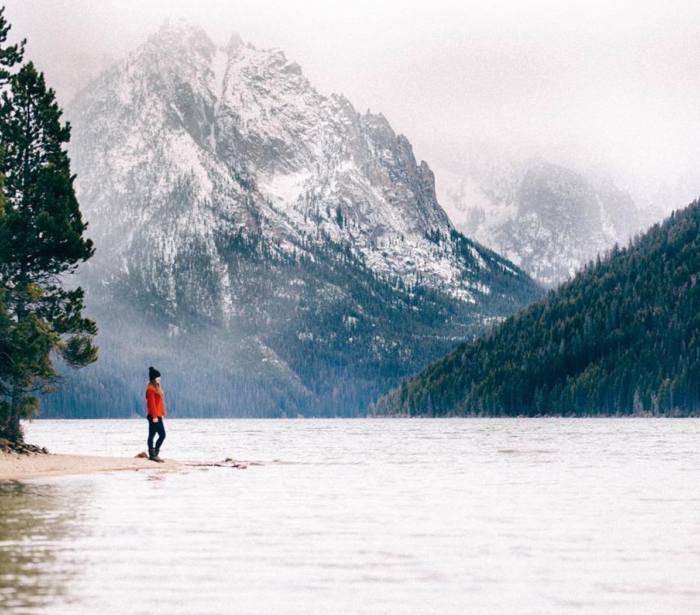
(153, 429)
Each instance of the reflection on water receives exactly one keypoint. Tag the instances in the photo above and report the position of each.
(35, 522)
(494, 517)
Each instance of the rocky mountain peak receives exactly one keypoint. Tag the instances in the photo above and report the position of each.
(178, 35)
(234, 41)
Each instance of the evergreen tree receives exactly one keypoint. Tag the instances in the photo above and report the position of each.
(10, 55)
(41, 241)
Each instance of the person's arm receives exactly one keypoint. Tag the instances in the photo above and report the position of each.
(150, 401)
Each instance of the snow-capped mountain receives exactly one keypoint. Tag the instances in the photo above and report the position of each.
(256, 145)
(294, 247)
(548, 219)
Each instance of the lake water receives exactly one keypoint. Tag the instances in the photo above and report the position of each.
(484, 516)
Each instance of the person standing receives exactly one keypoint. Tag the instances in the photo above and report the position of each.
(155, 403)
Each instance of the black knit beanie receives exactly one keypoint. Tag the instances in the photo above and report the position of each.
(153, 373)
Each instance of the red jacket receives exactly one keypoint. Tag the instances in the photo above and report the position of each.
(155, 402)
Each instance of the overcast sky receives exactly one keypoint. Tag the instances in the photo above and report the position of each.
(610, 82)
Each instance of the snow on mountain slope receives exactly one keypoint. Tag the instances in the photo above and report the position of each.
(546, 218)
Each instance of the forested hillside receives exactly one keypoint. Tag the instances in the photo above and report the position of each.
(622, 337)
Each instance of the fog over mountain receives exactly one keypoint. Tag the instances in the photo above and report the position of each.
(603, 85)
(548, 218)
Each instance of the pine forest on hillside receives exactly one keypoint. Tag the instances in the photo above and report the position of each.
(622, 337)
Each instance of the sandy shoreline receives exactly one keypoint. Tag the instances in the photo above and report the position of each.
(20, 467)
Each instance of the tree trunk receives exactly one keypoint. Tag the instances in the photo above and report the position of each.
(10, 427)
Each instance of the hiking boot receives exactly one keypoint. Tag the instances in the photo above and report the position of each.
(153, 455)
